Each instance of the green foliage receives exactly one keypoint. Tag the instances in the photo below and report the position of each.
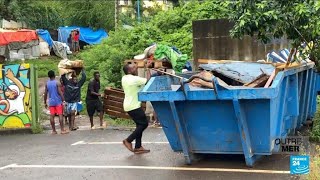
(172, 28)
(12, 9)
(50, 14)
(36, 14)
(36, 128)
(97, 14)
(315, 133)
(43, 65)
(296, 19)
(120, 122)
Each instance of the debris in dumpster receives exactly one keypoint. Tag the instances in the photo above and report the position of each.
(197, 82)
(259, 82)
(237, 73)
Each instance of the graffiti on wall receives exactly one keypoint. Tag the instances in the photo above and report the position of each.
(15, 96)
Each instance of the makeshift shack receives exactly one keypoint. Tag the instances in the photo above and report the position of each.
(19, 44)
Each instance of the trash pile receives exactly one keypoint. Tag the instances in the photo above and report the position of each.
(165, 53)
(248, 74)
(283, 56)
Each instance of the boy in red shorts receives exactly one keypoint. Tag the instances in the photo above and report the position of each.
(53, 88)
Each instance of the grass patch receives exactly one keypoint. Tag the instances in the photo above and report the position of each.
(37, 128)
(315, 165)
(315, 133)
(119, 122)
(44, 64)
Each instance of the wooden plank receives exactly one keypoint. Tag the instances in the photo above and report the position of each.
(114, 93)
(270, 79)
(115, 89)
(114, 103)
(259, 81)
(117, 114)
(115, 98)
(114, 108)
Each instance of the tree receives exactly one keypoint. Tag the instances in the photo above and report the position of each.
(36, 14)
(295, 19)
(96, 14)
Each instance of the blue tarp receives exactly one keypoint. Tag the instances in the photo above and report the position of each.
(87, 35)
(45, 35)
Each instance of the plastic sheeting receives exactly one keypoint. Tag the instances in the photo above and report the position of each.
(60, 49)
(45, 35)
(44, 49)
(87, 35)
(17, 36)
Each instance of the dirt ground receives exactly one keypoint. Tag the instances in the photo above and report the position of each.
(82, 121)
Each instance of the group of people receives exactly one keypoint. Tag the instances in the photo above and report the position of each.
(73, 40)
(65, 95)
(131, 84)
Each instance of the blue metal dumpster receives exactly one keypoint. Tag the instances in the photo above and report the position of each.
(233, 119)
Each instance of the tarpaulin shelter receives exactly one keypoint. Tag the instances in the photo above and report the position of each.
(87, 35)
(45, 35)
(19, 44)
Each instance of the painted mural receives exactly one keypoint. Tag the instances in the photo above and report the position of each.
(15, 96)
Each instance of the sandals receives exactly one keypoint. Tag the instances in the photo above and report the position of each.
(74, 129)
(127, 145)
(64, 132)
(141, 150)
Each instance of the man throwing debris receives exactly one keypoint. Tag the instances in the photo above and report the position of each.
(131, 85)
(93, 99)
(53, 88)
(72, 95)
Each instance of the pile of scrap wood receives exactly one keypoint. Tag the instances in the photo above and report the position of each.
(66, 66)
(113, 103)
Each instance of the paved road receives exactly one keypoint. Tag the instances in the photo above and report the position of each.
(99, 154)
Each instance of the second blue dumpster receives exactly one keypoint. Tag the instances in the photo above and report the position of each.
(233, 119)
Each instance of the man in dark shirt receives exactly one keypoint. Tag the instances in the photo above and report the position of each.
(72, 95)
(93, 99)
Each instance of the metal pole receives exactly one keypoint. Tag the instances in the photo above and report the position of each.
(115, 13)
(138, 9)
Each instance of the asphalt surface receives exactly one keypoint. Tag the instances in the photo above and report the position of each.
(99, 154)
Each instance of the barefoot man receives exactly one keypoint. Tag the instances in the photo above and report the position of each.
(53, 88)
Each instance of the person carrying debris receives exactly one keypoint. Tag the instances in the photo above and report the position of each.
(53, 88)
(132, 84)
(93, 99)
(72, 95)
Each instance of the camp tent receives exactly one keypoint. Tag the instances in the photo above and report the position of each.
(19, 44)
(46, 42)
(87, 35)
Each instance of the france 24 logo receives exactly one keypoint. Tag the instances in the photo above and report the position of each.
(299, 165)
